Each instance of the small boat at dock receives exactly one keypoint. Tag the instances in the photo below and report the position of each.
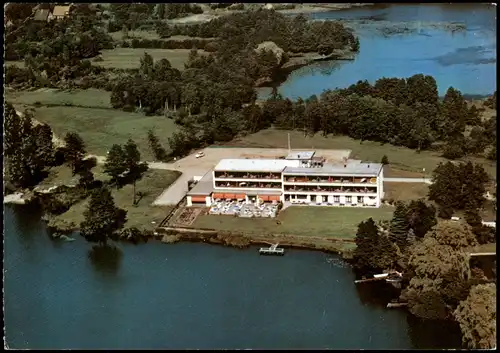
(272, 250)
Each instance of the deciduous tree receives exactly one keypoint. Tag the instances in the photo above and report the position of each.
(133, 163)
(116, 163)
(102, 218)
(421, 217)
(74, 150)
(477, 316)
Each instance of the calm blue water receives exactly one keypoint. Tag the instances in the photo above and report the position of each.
(192, 296)
(465, 60)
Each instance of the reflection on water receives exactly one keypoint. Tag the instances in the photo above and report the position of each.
(464, 59)
(105, 259)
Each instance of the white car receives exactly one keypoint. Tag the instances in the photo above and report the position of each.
(199, 155)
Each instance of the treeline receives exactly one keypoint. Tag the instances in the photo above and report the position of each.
(439, 280)
(134, 16)
(202, 44)
(404, 112)
(159, 88)
(68, 39)
(292, 34)
(433, 254)
(30, 153)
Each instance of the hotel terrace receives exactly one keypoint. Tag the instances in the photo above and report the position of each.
(300, 178)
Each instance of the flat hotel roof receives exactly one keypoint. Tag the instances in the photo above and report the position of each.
(301, 155)
(362, 169)
(252, 165)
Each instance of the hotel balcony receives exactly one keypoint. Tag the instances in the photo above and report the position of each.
(328, 180)
(329, 189)
(247, 185)
(248, 175)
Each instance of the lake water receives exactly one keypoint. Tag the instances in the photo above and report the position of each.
(192, 296)
(465, 60)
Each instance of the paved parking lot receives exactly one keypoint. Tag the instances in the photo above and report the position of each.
(191, 166)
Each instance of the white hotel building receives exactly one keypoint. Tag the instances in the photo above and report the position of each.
(300, 178)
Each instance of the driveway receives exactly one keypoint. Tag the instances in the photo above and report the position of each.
(408, 180)
(191, 166)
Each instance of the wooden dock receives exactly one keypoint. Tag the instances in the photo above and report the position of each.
(390, 277)
(272, 250)
(369, 279)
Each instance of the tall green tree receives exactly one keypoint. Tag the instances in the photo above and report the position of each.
(440, 279)
(399, 226)
(421, 217)
(102, 218)
(12, 131)
(147, 66)
(158, 151)
(44, 145)
(455, 112)
(116, 162)
(74, 150)
(458, 186)
(477, 316)
(456, 234)
(366, 238)
(133, 163)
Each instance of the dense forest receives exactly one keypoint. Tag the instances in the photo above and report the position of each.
(214, 97)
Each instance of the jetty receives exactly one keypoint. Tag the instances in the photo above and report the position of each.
(272, 250)
(390, 277)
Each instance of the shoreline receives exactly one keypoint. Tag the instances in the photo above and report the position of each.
(171, 235)
(300, 9)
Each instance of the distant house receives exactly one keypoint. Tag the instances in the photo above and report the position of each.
(61, 12)
(43, 15)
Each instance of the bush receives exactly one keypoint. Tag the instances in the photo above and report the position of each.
(453, 152)
(384, 160)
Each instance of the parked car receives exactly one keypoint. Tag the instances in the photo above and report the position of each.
(199, 155)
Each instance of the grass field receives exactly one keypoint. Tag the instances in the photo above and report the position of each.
(62, 175)
(153, 183)
(101, 128)
(400, 158)
(405, 191)
(128, 58)
(92, 98)
(297, 220)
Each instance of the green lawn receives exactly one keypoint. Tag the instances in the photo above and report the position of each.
(153, 183)
(129, 58)
(300, 220)
(62, 175)
(405, 191)
(92, 98)
(400, 158)
(101, 128)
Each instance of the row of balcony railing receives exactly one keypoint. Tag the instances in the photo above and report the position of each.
(247, 185)
(332, 179)
(245, 175)
(297, 188)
